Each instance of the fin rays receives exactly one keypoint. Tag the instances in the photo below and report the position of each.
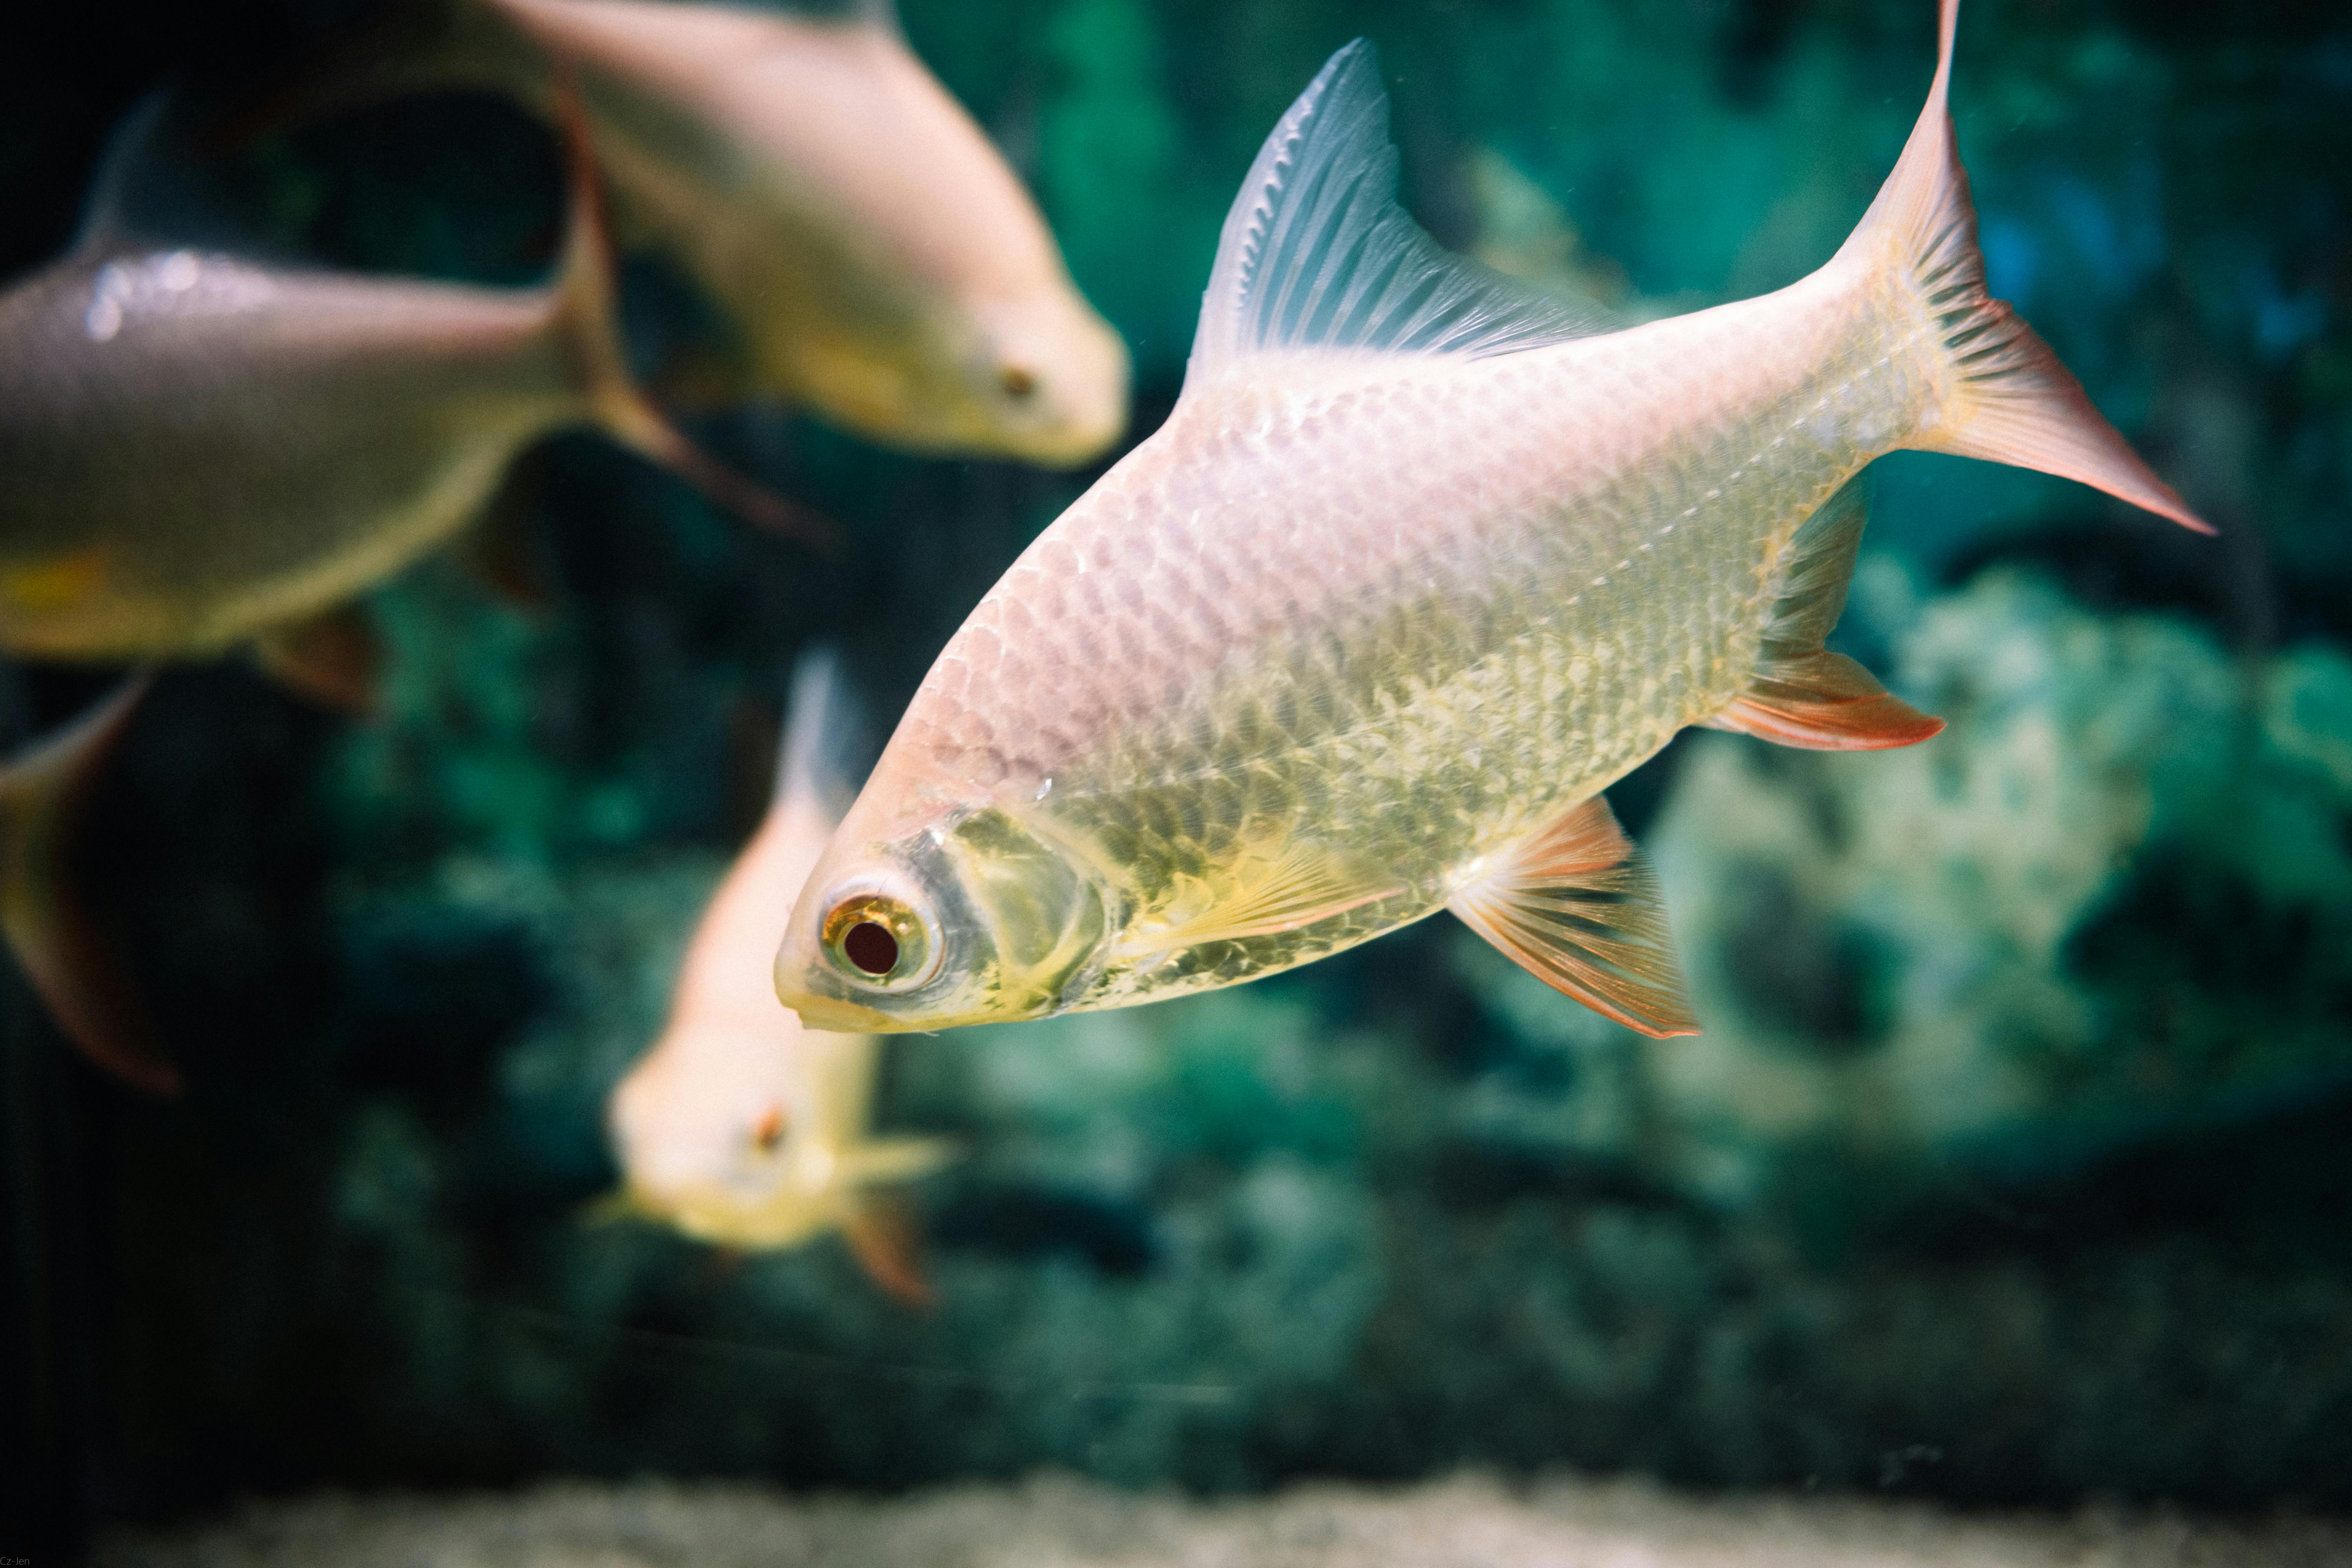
(1576, 906)
(1317, 254)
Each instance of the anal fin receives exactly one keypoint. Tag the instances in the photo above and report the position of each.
(1803, 695)
(62, 951)
(1576, 906)
(332, 657)
(1825, 702)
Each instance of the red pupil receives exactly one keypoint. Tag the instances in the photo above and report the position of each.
(871, 947)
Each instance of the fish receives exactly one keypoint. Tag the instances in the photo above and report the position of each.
(740, 1127)
(879, 263)
(200, 449)
(1418, 565)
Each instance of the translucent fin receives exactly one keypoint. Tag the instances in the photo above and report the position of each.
(585, 303)
(886, 1162)
(1577, 907)
(59, 947)
(1804, 695)
(1288, 890)
(1316, 253)
(334, 657)
(2014, 404)
(828, 743)
(888, 1242)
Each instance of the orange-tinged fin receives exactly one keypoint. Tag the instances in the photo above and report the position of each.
(1803, 694)
(1576, 906)
(333, 659)
(586, 315)
(57, 945)
(1289, 891)
(503, 552)
(2012, 402)
(886, 1238)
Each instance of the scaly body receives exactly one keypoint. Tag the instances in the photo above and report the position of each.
(197, 448)
(1414, 570)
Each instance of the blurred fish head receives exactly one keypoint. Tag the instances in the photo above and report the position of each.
(724, 1156)
(1037, 376)
(948, 914)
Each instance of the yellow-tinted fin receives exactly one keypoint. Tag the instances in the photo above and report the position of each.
(334, 657)
(1803, 694)
(1577, 907)
(888, 1242)
(883, 1161)
(2014, 402)
(59, 947)
(503, 552)
(1288, 890)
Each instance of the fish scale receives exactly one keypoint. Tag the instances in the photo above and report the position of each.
(1416, 567)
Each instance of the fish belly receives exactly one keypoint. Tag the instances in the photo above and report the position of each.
(1406, 613)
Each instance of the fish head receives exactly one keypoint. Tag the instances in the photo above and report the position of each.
(1036, 376)
(954, 914)
(1048, 380)
(713, 1141)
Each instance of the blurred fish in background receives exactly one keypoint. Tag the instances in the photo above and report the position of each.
(878, 261)
(200, 449)
(1420, 562)
(740, 1127)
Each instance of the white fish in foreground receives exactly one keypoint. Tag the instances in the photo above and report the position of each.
(740, 1127)
(1417, 566)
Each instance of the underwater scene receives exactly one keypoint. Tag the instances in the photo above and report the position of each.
(1176, 782)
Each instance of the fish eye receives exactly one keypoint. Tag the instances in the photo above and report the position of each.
(1018, 381)
(769, 1130)
(879, 941)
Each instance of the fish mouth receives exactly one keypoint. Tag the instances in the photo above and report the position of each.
(839, 1015)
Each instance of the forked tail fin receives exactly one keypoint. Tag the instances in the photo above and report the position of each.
(2011, 401)
(588, 323)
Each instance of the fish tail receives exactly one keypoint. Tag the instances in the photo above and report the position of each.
(588, 323)
(2007, 398)
(57, 944)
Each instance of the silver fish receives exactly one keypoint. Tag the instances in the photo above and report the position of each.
(879, 263)
(740, 1127)
(1418, 565)
(197, 448)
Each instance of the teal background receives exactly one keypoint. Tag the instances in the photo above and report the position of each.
(2015, 1167)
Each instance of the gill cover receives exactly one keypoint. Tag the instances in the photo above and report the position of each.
(975, 920)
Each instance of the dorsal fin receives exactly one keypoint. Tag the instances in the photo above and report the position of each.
(1316, 253)
(1576, 905)
(1803, 695)
(828, 744)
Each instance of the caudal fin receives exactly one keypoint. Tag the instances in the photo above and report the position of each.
(55, 942)
(2011, 401)
(586, 307)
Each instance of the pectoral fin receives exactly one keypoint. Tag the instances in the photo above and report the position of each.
(334, 657)
(1577, 907)
(59, 947)
(1803, 694)
(888, 1242)
(886, 1160)
(1289, 890)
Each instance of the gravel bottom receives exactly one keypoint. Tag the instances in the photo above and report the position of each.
(1055, 1521)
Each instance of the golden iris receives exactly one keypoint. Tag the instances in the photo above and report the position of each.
(876, 939)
